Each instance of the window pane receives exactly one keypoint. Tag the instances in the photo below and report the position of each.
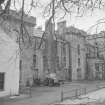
(78, 49)
(1, 80)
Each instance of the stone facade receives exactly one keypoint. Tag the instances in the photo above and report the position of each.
(77, 58)
(58, 59)
(68, 53)
(95, 66)
(63, 62)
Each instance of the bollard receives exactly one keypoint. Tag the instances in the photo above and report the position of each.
(62, 95)
(30, 91)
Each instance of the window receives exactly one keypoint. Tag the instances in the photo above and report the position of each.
(97, 66)
(64, 61)
(78, 49)
(34, 60)
(20, 65)
(45, 63)
(79, 61)
(2, 81)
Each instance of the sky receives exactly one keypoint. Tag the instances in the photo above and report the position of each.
(83, 23)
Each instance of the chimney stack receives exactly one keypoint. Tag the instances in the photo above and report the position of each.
(49, 26)
(61, 26)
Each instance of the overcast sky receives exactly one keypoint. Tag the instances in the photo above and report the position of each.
(84, 22)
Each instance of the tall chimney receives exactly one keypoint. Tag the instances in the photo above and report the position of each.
(61, 26)
(49, 26)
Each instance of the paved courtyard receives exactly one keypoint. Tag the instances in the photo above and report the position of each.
(48, 95)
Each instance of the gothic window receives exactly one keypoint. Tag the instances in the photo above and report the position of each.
(64, 61)
(79, 62)
(34, 60)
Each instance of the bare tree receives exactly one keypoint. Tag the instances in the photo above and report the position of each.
(75, 6)
(79, 7)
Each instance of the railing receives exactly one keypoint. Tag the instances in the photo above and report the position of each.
(26, 90)
(75, 93)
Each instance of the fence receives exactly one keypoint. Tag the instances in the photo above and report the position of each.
(75, 93)
(26, 90)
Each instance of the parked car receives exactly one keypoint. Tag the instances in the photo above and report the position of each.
(51, 80)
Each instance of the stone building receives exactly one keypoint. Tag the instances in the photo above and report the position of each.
(55, 54)
(96, 55)
(95, 65)
(38, 54)
(11, 23)
(98, 39)
(67, 50)
(77, 58)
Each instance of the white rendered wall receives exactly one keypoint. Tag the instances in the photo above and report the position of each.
(9, 64)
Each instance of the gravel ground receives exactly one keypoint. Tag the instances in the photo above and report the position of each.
(48, 95)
